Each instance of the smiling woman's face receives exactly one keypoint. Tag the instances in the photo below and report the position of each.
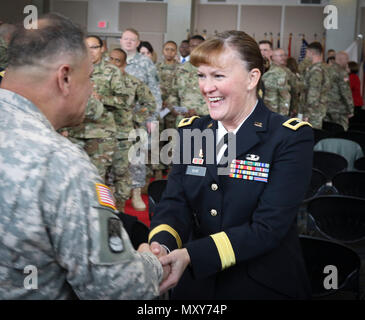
(226, 88)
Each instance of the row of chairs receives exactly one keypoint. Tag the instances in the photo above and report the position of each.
(349, 183)
(330, 163)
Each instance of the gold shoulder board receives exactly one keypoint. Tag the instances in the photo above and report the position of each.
(187, 121)
(2, 73)
(295, 123)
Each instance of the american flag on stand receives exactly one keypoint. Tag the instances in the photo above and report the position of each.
(303, 50)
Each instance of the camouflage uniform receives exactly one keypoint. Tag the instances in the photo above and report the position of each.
(315, 97)
(304, 65)
(185, 91)
(99, 136)
(3, 53)
(52, 219)
(277, 95)
(131, 117)
(340, 102)
(143, 69)
(295, 87)
(166, 73)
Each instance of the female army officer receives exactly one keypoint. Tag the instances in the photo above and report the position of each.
(234, 236)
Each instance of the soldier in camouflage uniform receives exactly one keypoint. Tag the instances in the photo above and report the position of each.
(99, 136)
(166, 71)
(340, 103)
(141, 106)
(316, 84)
(143, 69)
(57, 218)
(277, 90)
(304, 65)
(275, 82)
(6, 30)
(185, 90)
(279, 58)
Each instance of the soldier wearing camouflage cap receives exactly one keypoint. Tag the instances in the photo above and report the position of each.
(57, 217)
(275, 80)
(340, 104)
(316, 85)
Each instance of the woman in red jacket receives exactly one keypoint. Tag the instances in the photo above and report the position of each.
(355, 86)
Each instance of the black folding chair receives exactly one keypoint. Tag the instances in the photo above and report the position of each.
(338, 218)
(360, 164)
(320, 134)
(318, 182)
(155, 191)
(325, 258)
(357, 127)
(356, 136)
(350, 183)
(332, 127)
(329, 163)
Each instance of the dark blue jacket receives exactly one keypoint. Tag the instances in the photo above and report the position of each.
(241, 234)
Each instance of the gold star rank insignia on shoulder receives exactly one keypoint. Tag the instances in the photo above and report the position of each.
(295, 124)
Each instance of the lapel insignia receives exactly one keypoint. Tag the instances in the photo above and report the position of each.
(252, 157)
(250, 170)
(258, 124)
(210, 125)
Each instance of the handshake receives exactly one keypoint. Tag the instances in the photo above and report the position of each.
(173, 264)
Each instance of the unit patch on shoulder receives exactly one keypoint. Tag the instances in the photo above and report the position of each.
(295, 123)
(187, 121)
(105, 197)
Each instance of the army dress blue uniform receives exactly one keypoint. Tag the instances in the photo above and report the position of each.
(240, 229)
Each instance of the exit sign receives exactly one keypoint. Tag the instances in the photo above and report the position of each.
(102, 24)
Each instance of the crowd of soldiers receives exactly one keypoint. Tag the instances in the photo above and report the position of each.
(313, 91)
(130, 91)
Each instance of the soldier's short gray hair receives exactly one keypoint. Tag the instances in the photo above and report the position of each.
(56, 35)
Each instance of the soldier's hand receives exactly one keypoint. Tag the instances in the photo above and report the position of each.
(178, 260)
(144, 247)
(160, 251)
(64, 133)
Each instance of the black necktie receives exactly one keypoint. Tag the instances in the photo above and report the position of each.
(223, 142)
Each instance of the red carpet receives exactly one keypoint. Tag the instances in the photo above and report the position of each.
(141, 215)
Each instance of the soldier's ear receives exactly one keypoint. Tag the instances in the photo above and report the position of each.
(254, 77)
(63, 79)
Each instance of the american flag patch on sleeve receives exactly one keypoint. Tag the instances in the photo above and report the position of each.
(105, 196)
